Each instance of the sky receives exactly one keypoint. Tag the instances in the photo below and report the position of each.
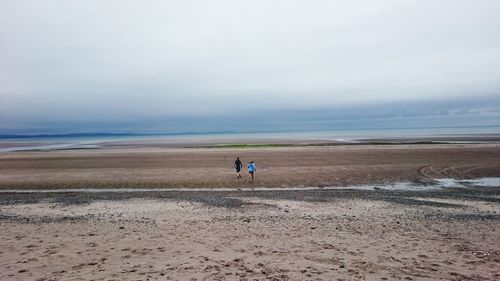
(199, 66)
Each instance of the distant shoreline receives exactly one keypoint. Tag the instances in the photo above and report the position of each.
(89, 141)
(37, 147)
(455, 130)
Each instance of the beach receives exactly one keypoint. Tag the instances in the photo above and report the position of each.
(446, 234)
(328, 212)
(150, 166)
(367, 134)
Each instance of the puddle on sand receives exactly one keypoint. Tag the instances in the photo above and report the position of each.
(432, 184)
(484, 182)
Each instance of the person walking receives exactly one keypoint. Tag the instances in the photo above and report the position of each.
(251, 170)
(238, 165)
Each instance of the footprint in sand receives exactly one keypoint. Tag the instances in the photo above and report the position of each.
(258, 253)
(78, 267)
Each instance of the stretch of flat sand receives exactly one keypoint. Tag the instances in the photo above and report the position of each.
(276, 167)
(273, 234)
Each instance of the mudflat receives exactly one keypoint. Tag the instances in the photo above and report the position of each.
(319, 166)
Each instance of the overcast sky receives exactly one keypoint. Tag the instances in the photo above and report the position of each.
(71, 66)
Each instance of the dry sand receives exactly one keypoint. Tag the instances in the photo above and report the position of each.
(288, 235)
(277, 167)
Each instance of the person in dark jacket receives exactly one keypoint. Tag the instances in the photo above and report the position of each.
(238, 165)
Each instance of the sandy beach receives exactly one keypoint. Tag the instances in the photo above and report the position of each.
(151, 167)
(335, 233)
(446, 234)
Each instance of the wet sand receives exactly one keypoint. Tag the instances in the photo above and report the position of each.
(276, 166)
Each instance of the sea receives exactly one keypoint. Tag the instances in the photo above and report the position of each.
(12, 143)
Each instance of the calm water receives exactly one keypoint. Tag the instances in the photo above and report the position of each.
(51, 143)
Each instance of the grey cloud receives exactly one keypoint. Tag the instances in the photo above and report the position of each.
(102, 62)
